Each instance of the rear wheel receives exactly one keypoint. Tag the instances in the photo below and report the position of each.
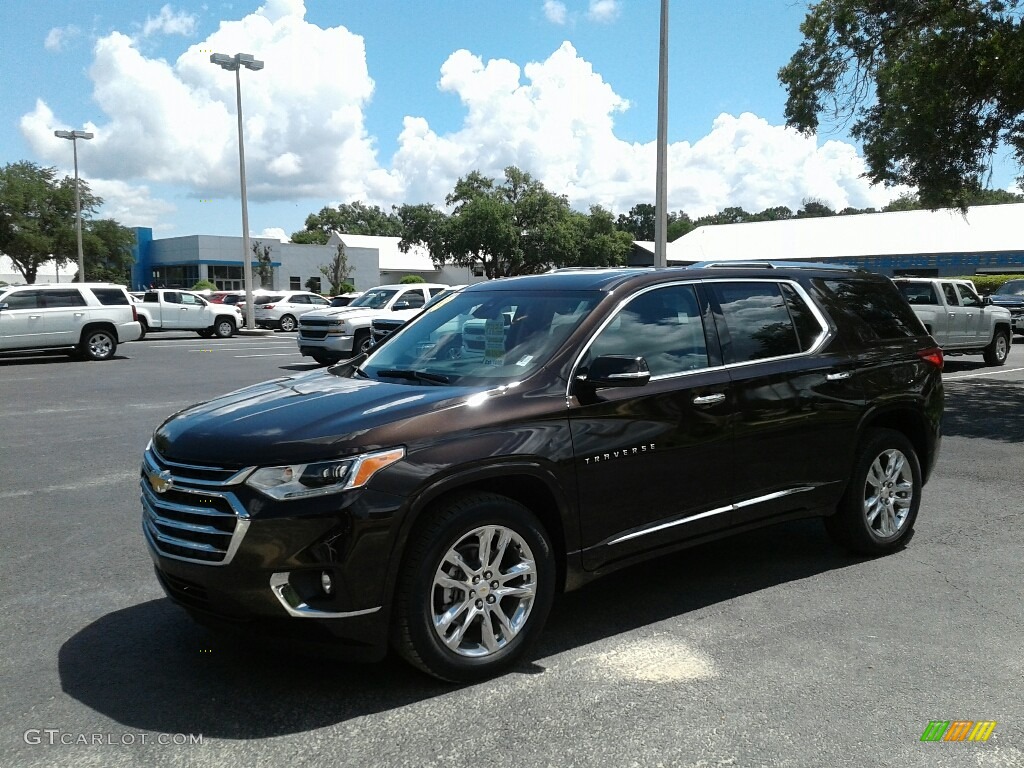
(997, 350)
(98, 344)
(877, 512)
(476, 588)
(288, 323)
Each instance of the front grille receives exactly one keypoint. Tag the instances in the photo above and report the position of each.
(305, 333)
(194, 516)
(314, 322)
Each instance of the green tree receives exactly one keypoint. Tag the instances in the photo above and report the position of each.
(513, 228)
(107, 248)
(37, 216)
(814, 209)
(601, 242)
(934, 87)
(337, 271)
(410, 279)
(355, 218)
(679, 224)
(204, 285)
(639, 222)
(264, 264)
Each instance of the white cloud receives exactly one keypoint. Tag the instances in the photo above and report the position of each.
(555, 11)
(173, 124)
(133, 205)
(558, 124)
(274, 233)
(603, 10)
(169, 22)
(58, 37)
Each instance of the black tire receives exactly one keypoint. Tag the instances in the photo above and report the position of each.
(98, 344)
(998, 349)
(288, 323)
(323, 359)
(361, 342)
(145, 329)
(206, 333)
(877, 512)
(224, 328)
(485, 645)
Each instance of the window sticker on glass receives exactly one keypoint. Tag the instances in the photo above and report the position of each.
(494, 342)
(525, 360)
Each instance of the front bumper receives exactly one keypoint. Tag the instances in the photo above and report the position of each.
(238, 560)
(319, 341)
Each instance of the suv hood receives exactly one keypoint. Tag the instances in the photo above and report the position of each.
(307, 417)
(338, 312)
(1007, 301)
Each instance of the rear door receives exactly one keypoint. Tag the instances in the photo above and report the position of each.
(65, 311)
(796, 408)
(654, 463)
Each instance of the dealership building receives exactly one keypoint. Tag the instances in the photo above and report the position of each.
(942, 243)
(181, 262)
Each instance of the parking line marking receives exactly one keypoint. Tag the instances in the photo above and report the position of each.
(987, 373)
(231, 349)
(272, 354)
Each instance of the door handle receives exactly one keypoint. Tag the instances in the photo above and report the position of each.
(79, 314)
(34, 317)
(837, 376)
(708, 399)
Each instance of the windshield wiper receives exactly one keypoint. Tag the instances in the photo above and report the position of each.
(430, 378)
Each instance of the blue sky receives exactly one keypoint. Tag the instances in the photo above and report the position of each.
(390, 102)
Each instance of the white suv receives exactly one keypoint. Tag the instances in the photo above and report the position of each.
(282, 309)
(90, 319)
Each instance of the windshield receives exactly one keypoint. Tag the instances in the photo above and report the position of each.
(481, 337)
(373, 299)
(1012, 288)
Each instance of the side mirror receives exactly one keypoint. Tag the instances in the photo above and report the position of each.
(4, 306)
(986, 300)
(617, 371)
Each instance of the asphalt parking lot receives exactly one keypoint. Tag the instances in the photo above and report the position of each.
(768, 649)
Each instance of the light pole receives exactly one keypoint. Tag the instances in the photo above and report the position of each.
(73, 136)
(661, 173)
(235, 64)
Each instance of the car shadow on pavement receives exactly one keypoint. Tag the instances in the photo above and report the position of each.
(151, 667)
(984, 408)
(11, 359)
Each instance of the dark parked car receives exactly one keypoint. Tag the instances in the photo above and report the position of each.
(436, 502)
(1011, 295)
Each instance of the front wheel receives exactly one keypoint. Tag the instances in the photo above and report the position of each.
(288, 323)
(476, 588)
(98, 344)
(361, 342)
(876, 514)
(997, 350)
(224, 328)
(145, 328)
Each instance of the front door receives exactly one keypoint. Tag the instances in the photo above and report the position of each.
(653, 463)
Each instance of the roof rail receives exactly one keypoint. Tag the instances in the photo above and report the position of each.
(769, 264)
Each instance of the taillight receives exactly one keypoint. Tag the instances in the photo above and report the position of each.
(135, 314)
(268, 306)
(933, 356)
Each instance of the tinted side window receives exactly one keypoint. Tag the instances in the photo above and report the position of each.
(23, 300)
(918, 293)
(434, 291)
(64, 297)
(757, 319)
(664, 326)
(951, 298)
(808, 329)
(968, 297)
(299, 298)
(876, 309)
(413, 298)
(110, 296)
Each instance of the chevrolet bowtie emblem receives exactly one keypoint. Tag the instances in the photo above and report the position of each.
(161, 481)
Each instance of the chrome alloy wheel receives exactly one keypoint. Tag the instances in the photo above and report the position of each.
(101, 345)
(888, 493)
(483, 591)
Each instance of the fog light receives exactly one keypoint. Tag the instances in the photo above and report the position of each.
(325, 583)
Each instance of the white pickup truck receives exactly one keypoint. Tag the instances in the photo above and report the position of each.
(329, 335)
(959, 320)
(165, 309)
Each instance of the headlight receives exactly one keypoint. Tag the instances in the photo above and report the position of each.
(300, 481)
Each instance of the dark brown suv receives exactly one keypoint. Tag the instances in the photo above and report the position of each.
(527, 435)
